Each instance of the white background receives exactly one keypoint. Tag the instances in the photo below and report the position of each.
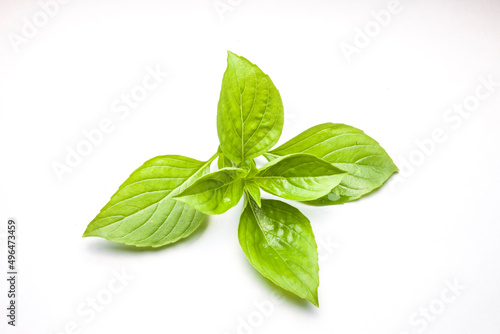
(386, 259)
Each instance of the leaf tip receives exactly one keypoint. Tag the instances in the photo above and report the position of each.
(231, 54)
(90, 232)
(314, 300)
(86, 234)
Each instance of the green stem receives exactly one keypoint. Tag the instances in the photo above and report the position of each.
(213, 157)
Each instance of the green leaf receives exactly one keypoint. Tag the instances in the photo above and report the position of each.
(368, 165)
(300, 177)
(250, 112)
(253, 190)
(223, 161)
(279, 242)
(215, 193)
(252, 168)
(142, 211)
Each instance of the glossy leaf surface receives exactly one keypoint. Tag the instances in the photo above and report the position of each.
(142, 211)
(300, 177)
(368, 165)
(279, 242)
(215, 193)
(250, 112)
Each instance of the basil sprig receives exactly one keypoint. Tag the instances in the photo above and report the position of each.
(168, 197)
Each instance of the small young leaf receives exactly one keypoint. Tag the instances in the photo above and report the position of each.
(253, 189)
(223, 161)
(142, 211)
(279, 242)
(252, 168)
(215, 193)
(368, 165)
(300, 177)
(250, 112)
